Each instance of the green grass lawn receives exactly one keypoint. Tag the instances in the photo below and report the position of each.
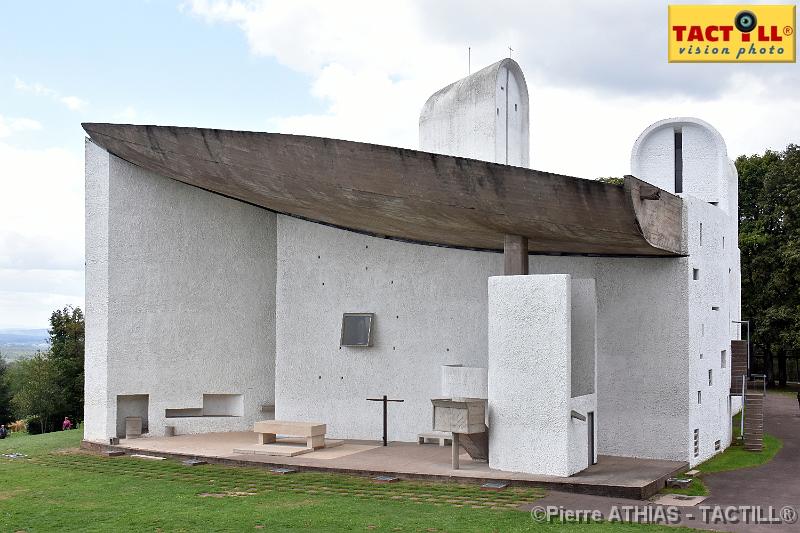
(733, 458)
(58, 487)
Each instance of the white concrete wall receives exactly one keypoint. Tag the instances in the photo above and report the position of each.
(483, 116)
(464, 382)
(186, 305)
(430, 310)
(578, 432)
(584, 337)
(642, 347)
(712, 330)
(440, 295)
(706, 167)
(710, 193)
(537, 325)
(98, 415)
(529, 374)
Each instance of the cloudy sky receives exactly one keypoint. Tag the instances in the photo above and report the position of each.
(359, 70)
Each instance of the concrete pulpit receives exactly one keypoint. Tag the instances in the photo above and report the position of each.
(466, 419)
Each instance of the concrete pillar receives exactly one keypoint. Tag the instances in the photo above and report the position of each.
(529, 356)
(515, 255)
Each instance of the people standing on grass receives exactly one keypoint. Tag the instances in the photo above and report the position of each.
(66, 424)
(3, 431)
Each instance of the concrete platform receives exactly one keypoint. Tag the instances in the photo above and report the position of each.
(284, 447)
(612, 476)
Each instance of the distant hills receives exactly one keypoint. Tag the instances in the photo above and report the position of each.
(18, 343)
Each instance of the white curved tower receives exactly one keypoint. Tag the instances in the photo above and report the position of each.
(483, 116)
(687, 155)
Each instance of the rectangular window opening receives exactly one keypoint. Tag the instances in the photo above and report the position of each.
(357, 329)
(710, 377)
(715, 308)
(717, 445)
(701, 234)
(678, 161)
(701, 355)
(699, 397)
(695, 273)
(696, 442)
(724, 358)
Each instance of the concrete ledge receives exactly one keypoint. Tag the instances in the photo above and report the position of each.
(638, 491)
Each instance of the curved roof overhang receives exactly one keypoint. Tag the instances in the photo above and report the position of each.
(408, 194)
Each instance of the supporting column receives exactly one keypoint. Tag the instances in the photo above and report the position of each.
(515, 254)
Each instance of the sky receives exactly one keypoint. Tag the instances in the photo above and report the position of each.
(359, 70)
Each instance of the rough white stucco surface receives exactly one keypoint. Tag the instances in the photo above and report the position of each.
(430, 310)
(98, 418)
(707, 171)
(464, 382)
(440, 296)
(189, 299)
(710, 193)
(483, 116)
(529, 373)
(584, 337)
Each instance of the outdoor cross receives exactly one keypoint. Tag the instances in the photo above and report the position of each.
(385, 401)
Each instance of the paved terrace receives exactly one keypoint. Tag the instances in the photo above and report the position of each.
(620, 477)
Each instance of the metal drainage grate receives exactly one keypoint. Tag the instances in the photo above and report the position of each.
(282, 470)
(494, 485)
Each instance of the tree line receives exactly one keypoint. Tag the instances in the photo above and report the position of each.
(43, 389)
(769, 240)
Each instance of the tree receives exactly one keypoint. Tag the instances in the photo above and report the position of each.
(769, 239)
(40, 395)
(612, 180)
(5, 393)
(67, 339)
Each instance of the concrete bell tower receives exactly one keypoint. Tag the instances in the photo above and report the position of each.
(483, 116)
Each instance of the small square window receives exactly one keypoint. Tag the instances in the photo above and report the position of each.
(357, 329)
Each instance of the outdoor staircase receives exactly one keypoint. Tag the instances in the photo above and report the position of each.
(754, 417)
(753, 392)
(739, 367)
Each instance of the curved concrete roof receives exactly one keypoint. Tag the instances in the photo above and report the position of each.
(478, 85)
(407, 194)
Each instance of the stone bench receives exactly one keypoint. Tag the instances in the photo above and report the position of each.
(444, 438)
(313, 432)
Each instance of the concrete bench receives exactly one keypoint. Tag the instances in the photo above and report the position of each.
(442, 437)
(313, 432)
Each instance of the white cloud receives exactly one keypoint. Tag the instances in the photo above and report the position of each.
(72, 102)
(11, 125)
(127, 115)
(597, 72)
(41, 235)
